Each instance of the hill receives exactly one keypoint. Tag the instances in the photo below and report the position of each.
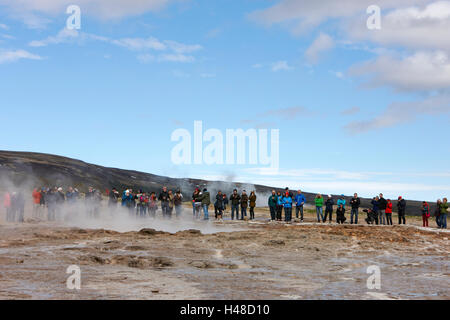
(27, 170)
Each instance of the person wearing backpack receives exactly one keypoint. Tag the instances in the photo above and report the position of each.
(389, 212)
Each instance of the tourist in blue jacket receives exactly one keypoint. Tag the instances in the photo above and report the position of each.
(341, 201)
(299, 202)
(287, 204)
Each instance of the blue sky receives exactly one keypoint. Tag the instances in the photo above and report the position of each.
(358, 110)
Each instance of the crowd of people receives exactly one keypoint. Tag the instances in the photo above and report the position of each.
(143, 204)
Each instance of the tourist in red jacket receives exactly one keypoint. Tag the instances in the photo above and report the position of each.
(425, 213)
(389, 212)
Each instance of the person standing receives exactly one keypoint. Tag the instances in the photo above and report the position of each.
(375, 208)
(252, 204)
(319, 207)
(244, 204)
(272, 202)
(36, 202)
(287, 205)
(235, 199)
(195, 196)
(178, 201)
(389, 212)
(299, 202)
(7, 205)
(401, 206)
(382, 209)
(443, 213)
(218, 206)
(206, 201)
(355, 203)
(225, 202)
(425, 213)
(113, 198)
(437, 213)
(152, 205)
(279, 205)
(164, 199)
(328, 208)
(170, 204)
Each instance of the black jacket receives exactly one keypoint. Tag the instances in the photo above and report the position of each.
(401, 205)
(329, 204)
(235, 199)
(355, 202)
(382, 204)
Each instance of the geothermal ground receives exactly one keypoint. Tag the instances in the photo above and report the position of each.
(185, 259)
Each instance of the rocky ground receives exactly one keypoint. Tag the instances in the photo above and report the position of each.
(234, 260)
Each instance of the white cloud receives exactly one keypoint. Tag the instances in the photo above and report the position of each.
(281, 66)
(421, 71)
(140, 43)
(34, 12)
(63, 36)
(351, 111)
(3, 26)
(402, 112)
(181, 47)
(12, 56)
(175, 54)
(322, 43)
(412, 27)
(302, 15)
(174, 57)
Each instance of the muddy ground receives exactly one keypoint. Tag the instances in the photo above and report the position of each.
(234, 260)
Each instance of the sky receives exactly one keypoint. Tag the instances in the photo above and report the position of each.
(357, 108)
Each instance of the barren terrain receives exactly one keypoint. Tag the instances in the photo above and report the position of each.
(228, 260)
